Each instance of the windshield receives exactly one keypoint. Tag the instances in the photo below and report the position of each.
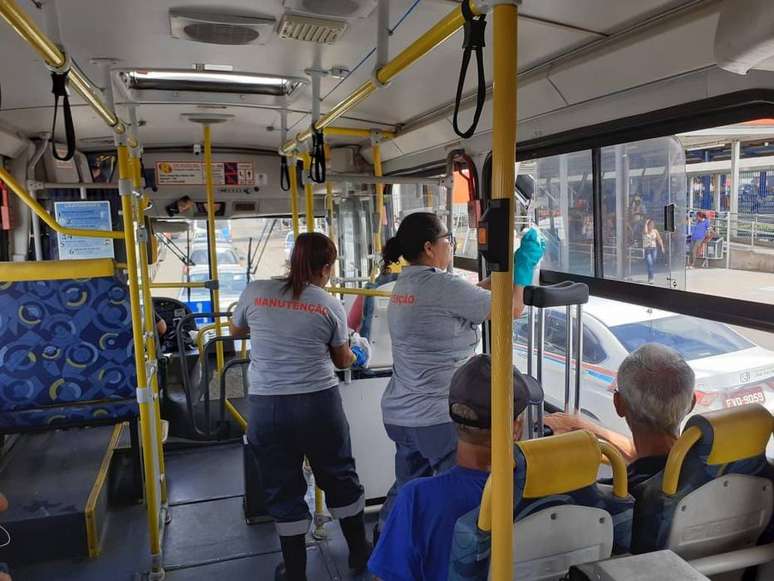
(692, 338)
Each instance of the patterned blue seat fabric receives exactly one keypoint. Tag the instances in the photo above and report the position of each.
(654, 510)
(66, 354)
(471, 546)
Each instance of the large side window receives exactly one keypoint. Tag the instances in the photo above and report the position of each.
(562, 208)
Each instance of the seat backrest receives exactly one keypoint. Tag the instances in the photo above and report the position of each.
(556, 497)
(716, 493)
(66, 352)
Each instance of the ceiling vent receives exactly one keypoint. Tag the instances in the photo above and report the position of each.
(310, 28)
(332, 8)
(220, 27)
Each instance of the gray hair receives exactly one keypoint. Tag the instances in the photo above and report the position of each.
(656, 384)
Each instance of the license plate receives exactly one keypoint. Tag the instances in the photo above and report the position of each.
(745, 396)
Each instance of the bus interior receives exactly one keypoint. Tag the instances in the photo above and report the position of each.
(157, 158)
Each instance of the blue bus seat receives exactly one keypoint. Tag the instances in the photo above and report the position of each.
(716, 493)
(66, 351)
(557, 497)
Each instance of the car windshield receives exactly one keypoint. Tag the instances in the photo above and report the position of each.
(692, 338)
(199, 256)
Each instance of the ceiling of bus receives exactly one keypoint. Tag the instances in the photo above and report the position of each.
(137, 33)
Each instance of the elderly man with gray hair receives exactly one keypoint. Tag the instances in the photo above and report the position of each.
(655, 393)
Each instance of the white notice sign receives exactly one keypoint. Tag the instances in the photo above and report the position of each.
(88, 216)
(191, 173)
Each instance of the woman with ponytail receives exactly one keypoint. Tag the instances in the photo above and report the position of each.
(298, 335)
(434, 319)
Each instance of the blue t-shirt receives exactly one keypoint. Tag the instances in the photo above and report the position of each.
(416, 541)
(699, 230)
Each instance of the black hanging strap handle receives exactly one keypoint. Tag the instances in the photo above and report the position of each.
(59, 89)
(284, 174)
(475, 29)
(317, 165)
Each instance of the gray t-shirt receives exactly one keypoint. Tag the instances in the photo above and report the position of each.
(290, 339)
(434, 320)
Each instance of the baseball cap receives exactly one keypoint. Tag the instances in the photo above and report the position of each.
(471, 386)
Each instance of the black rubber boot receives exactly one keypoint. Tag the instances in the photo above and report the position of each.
(354, 531)
(294, 556)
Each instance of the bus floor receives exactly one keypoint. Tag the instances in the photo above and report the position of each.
(207, 537)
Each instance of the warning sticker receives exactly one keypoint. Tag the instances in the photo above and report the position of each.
(191, 173)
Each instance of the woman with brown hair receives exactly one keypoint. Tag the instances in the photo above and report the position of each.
(298, 334)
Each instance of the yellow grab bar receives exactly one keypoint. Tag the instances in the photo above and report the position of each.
(366, 292)
(437, 35)
(357, 132)
(505, 41)
(676, 457)
(209, 327)
(178, 285)
(620, 481)
(53, 56)
(294, 197)
(41, 213)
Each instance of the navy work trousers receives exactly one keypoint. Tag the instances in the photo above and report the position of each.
(282, 430)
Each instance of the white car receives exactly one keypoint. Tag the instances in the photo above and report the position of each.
(730, 369)
(227, 255)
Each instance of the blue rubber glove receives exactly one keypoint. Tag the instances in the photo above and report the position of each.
(361, 348)
(526, 258)
(361, 358)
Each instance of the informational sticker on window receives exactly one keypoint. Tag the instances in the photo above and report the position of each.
(191, 173)
(88, 216)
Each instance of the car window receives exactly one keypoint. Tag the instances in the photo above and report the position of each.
(556, 337)
(692, 338)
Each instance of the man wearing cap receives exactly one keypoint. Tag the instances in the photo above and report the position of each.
(416, 540)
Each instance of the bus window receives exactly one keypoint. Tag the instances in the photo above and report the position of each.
(638, 181)
(561, 207)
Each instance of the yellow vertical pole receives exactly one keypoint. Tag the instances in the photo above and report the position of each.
(309, 191)
(503, 177)
(377, 153)
(150, 323)
(144, 393)
(215, 293)
(294, 196)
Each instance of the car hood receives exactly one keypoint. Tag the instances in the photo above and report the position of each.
(748, 366)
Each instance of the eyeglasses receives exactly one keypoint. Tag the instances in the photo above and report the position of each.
(450, 237)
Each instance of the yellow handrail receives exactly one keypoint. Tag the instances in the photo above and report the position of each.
(150, 323)
(366, 292)
(204, 329)
(620, 479)
(676, 457)
(294, 196)
(357, 132)
(178, 285)
(41, 213)
(309, 193)
(439, 33)
(215, 293)
(503, 179)
(144, 395)
(53, 56)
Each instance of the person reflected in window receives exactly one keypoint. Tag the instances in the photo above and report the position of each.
(651, 242)
(654, 395)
